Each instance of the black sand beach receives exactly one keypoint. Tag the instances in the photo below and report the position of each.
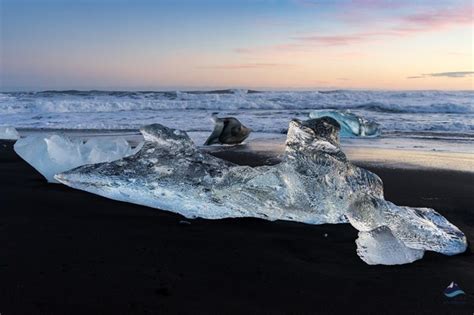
(65, 251)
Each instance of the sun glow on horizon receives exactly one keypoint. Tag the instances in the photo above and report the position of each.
(294, 44)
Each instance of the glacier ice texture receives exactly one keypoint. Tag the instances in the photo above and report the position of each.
(8, 133)
(314, 183)
(417, 228)
(53, 154)
(380, 247)
(170, 173)
(351, 124)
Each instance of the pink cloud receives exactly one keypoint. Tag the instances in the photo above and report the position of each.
(404, 26)
(245, 66)
(430, 20)
(244, 50)
(380, 4)
(371, 4)
(307, 3)
(269, 49)
(346, 39)
(334, 40)
(440, 18)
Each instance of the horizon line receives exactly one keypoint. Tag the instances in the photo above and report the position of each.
(218, 89)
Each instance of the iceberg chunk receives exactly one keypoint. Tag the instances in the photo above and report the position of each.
(313, 184)
(228, 130)
(351, 124)
(53, 154)
(380, 247)
(8, 133)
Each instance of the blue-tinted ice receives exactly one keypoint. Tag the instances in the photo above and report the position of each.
(351, 124)
(313, 184)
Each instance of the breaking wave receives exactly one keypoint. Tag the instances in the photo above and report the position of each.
(396, 111)
(110, 101)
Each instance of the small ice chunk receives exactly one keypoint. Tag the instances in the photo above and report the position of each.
(53, 154)
(8, 133)
(417, 228)
(228, 130)
(380, 247)
(351, 124)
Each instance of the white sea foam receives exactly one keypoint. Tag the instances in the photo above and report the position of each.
(416, 111)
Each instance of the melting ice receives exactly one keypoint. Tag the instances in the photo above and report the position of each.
(313, 184)
(53, 154)
(380, 247)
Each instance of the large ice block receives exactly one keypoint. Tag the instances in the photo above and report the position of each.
(313, 184)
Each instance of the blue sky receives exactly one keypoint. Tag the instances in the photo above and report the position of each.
(118, 44)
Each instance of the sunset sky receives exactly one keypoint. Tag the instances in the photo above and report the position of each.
(293, 44)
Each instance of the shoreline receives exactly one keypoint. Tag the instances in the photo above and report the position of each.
(403, 153)
(393, 158)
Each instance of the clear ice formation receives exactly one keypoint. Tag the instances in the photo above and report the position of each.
(54, 154)
(417, 228)
(380, 247)
(313, 184)
(351, 124)
(8, 133)
(170, 173)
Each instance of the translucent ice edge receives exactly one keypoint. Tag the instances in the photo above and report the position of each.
(8, 133)
(313, 184)
(54, 154)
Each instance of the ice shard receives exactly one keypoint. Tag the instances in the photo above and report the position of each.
(313, 184)
(352, 125)
(8, 133)
(53, 154)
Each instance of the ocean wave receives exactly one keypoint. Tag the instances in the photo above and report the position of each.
(428, 108)
(268, 112)
(112, 101)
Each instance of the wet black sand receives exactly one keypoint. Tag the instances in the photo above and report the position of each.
(69, 252)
